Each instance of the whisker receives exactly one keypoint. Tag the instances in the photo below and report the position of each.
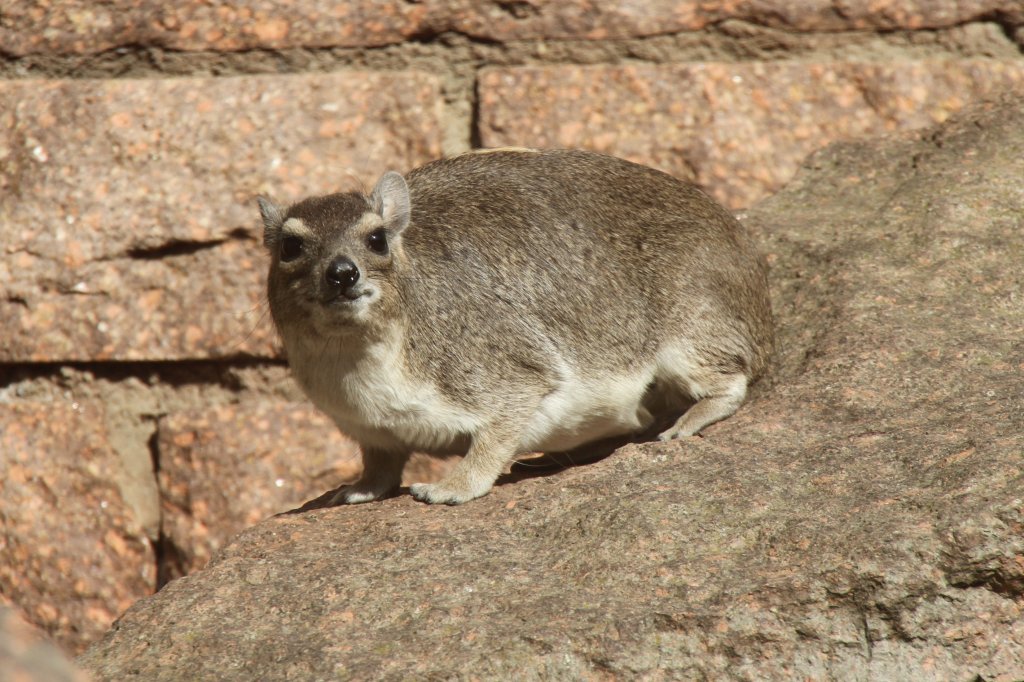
(262, 310)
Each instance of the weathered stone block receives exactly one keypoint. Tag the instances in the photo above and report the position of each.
(129, 228)
(740, 130)
(84, 26)
(72, 556)
(617, 19)
(26, 656)
(228, 467)
(87, 26)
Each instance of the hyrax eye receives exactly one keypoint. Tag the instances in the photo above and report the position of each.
(377, 241)
(291, 248)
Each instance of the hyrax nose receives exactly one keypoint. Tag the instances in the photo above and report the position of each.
(342, 273)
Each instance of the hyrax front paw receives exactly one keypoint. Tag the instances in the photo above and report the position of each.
(357, 494)
(444, 492)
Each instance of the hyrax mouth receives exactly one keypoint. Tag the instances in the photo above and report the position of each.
(344, 298)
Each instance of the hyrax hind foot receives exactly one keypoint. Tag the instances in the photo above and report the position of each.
(723, 403)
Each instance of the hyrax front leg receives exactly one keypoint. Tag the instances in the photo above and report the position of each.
(491, 450)
(726, 396)
(382, 473)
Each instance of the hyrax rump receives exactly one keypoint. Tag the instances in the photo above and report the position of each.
(513, 301)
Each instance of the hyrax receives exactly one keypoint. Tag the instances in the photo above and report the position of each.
(513, 301)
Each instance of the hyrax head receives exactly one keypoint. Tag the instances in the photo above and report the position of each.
(332, 258)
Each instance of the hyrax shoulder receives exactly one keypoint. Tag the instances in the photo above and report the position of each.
(513, 301)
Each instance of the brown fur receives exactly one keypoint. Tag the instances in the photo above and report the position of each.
(519, 287)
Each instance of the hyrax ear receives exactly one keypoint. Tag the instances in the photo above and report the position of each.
(272, 220)
(390, 200)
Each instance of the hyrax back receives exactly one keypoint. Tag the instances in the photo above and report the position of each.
(513, 301)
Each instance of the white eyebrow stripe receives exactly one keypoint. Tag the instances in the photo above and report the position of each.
(296, 228)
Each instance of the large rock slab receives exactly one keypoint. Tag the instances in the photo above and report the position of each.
(860, 518)
(88, 26)
(127, 206)
(740, 130)
(72, 554)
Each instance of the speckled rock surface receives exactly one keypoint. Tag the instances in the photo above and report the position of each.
(228, 467)
(72, 556)
(26, 656)
(862, 517)
(603, 19)
(740, 130)
(84, 26)
(114, 193)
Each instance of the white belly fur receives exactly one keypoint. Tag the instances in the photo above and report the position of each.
(379, 404)
(582, 410)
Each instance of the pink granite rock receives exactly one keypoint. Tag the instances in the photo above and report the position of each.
(89, 26)
(229, 467)
(130, 227)
(26, 656)
(739, 129)
(72, 556)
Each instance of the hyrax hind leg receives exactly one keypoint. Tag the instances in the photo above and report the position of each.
(718, 396)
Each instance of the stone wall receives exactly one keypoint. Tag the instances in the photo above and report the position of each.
(145, 410)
